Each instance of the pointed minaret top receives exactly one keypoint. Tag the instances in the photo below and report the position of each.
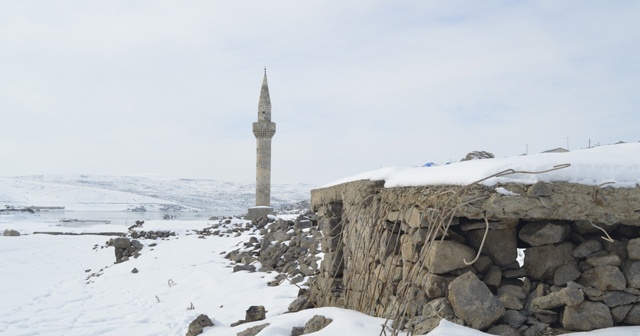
(264, 104)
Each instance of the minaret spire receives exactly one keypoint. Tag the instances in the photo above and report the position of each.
(264, 103)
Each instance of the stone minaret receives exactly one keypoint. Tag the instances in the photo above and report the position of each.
(264, 130)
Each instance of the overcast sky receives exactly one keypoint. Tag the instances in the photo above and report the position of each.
(171, 87)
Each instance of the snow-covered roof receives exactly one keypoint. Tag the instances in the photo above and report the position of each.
(617, 164)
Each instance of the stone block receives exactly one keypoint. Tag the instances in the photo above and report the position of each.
(587, 316)
(446, 256)
(500, 245)
(586, 248)
(541, 262)
(604, 278)
(544, 233)
(473, 302)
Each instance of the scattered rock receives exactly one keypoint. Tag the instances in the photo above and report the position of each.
(255, 313)
(253, 331)
(316, 323)
(196, 327)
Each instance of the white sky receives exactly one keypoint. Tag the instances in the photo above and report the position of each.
(171, 87)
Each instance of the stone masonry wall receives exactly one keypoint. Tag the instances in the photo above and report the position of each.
(411, 254)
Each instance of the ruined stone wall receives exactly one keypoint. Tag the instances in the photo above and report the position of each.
(411, 254)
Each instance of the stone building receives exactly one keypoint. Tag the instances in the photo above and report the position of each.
(263, 129)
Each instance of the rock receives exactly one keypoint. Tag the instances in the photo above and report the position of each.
(11, 233)
(587, 316)
(510, 301)
(253, 331)
(483, 264)
(432, 312)
(317, 322)
(544, 233)
(503, 329)
(569, 296)
(611, 259)
(122, 243)
(478, 155)
(516, 291)
(541, 262)
(424, 325)
(633, 317)
(633, 249)
(619, 313)
(565, 273)
(632, 273)
(586, 248)
(196, 327)
(438, 307)
(493, 277)
(255, 313)
(604, 278)
(446, 256)
(500, 245)
(514, 318)
(134, 270)
(300, 303)
(615, 298)
(540, 189)
(297, 331)
(249, 268)
(435, 286)
(473, 302)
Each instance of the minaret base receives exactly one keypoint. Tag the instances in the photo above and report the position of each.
(256, 214)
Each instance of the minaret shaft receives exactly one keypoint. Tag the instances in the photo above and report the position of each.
(263, 129)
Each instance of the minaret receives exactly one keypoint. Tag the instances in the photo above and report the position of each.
(264, 130)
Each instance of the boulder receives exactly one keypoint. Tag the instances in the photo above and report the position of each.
(587, 316)
(255, 313)
(300, 303)
(544, 233)
(473, 302)
(316, 323)
(604, 278)
(446, 256)
(196, 327)
(253, 331)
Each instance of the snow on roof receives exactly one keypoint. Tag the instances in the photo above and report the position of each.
(619, 164)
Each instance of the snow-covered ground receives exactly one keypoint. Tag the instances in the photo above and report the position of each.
(119, 193)
(46, 287)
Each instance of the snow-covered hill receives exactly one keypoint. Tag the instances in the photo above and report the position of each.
(90, 192)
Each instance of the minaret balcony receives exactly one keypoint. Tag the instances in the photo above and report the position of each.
(264, 129)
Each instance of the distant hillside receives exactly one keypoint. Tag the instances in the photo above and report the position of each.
(87, 192)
